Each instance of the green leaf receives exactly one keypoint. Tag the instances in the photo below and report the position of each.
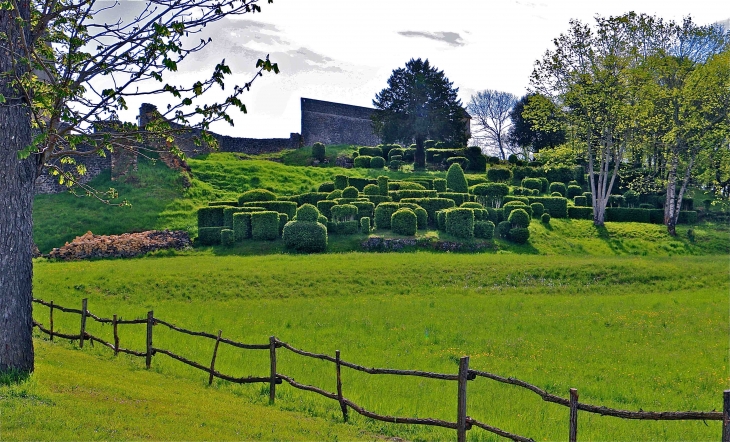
(2, 98)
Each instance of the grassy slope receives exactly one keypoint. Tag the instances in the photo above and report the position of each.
(75, 396)
(629, 332)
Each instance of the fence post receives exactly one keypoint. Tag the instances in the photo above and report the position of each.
(150, 323)
(116, 336)
(573, 415)
(215, 353)
(343, 406)
(83, 322)
(461, 407)
(726, 416)
(272, 382)
(51, 320)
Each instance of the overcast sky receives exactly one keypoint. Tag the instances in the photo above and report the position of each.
(345, 50)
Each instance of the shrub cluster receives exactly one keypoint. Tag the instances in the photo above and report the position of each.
(383, 213)
(210, 216)
(265, 225)
(490, 194)
(223, 203)
(403, 222)
(288, 207)
(343, 212)
(557, 207)
(559, 188)
(459, 198)
(537, 209)
(377, 162)
(365, 225)
(460, 222)
(532, 183)
(327, 187)
(484, 229)
(256, 195)
(209, 236)
(580, 212)
(341, 181)
(431, 205)
(574, 190)
(318, 151)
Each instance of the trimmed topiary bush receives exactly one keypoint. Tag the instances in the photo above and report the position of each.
(580, 212)
(322, 220)
(439, 185)
(545, 185)
(460, 222)
(283, 219)
(404, 222)
(383, 212)
(537, 209)
(556, 194)
(324, 207)
(499, 174)
(624, 214)
(288, 207)
(341, 182)
(532, 183)
(559, 188)
(484, 229)
(343, 212)
(557, 207)
(326, 187)
(363, 161)
(211, 216)
(459, 198)
(574, 190)
(335, 194)
(256, 195)
(579, 201)
(209, 236)
(519, 218)
(644, 206)
(589, 198)
(371, 189)
(471, 205)
(561, 174)
(365, 224)
(377, 162)
(364, 208)
(383, 185)
(545, 218)
(503, 229)
(305, 236)
(512, 205)
(227, 237)
(308, 213)
(519, 235)
(456, 180)
(616, 201)
(242, 225)
(490, 194)
(265, 225)
(318, 151)
(350, 192)
(376, 151)
(223, 203)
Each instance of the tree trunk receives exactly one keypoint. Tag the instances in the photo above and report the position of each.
(670, 207)
(17, 181)
(419, 158)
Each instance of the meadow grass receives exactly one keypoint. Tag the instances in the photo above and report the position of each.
(628, 332)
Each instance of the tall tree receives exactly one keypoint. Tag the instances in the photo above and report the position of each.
(530, 136)
(490, 110)
(65, 74)
(420, 103)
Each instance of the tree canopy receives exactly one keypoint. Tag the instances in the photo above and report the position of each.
(539, 128)
(490, 110)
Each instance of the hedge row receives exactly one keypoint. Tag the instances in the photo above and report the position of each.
(288, 207)
(557, 207)
(431, 205)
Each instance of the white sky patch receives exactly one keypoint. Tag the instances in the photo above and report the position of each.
(344, 51)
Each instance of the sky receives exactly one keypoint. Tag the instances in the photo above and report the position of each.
(345, 50)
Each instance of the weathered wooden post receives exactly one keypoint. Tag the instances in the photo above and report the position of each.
(215, 353)
(51, 320)
(343, 405)
(116, 335)
(573, 415)
(461, 406)
(726, 416)
(83, 322)
(150, 323)
(272, 382)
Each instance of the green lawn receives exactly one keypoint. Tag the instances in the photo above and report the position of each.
(628, 332)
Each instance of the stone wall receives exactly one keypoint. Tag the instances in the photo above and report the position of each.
(95, 164)
(336, 123)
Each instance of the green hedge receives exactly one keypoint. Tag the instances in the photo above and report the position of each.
(223, 203)
(209, 236)
(371, 189)
(574, 191)
(371, 151)
(558, 187)
(580, 212)
(562, 174)
(363, 161)
(310, 198)
(404, 222)
(324, 207)
(537, 209)
(441, 219)
(364, 208)
(343, 227)
(227, 237)
(350, 192)
(484, 229)
(383, 212)
(519, 235)
(512, 205)
(377, 162)
(545, 218)
(490, 194)
(532, 183)
(473, 181)
(211, 216)
(580, 201)
(503, 229)
(656, 216)
(456, 180)
(499, 174)
(365, 224)
(398, 195)
(256, 195)
(360, 183)
(308, 213)
(624, 214)
(439, 185)
(687, 217)
(471, 205)
(242, 225)
(341, 181)
(431, 205)
(327, 187)
(421, 214)
(318, 151)
(288, 207)
(377, 199)
(383, 185)
(511, 198)
(343, 212)
(557, 207)
(589, 198)
(229, 211)
(519, 218)
(265, 225)
(460, 222)
(305, 236)
(459, 198)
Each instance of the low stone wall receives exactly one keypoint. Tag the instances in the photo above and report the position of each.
(336, 123)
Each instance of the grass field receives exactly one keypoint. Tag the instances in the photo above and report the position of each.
(628, 332)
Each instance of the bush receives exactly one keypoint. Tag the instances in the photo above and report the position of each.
(256, 195)
(227, 237)
(343, 212)
(308, 213)
(211, 217)
(503, 229)
(398, 195)
(456, 180)
(545, 218)
(228, 213)
(687, 217)
(431, 205)
(574, 191)
(242, 225)
(461, 161)
(511, 198)
(477, 160)
(209, 236)
(484, 229)
(383, 185)
(324, 208)
(557, 207)
(305, 236)
(559, 188)
(532, 183)
(624, 214)
(365, 224)
(341, 182)
(310, 198)
(326, 187)
(371, 189)
(589, 198)
(337, 193)
(388, 147)
(377, 199)
(646, 206)
(499, 174)
(580, 212)
(288, 207)
(371, 151)
(459, 198)
(409, 185)
(404, 222)
(512, 159)
(545, 185)
(322, 220)
(318, 151)
(579, 201)
(473, 181)
(364, 208)
(265, 225)
(537, 209)
(519, 218)
(223, 203)
(441, 219)
(490, 194)
(616, 201)
(398, 151)
(350, 192)
(522, 191)
(395, 164)
(512, 205)
(363, 161)
(377, 162)
(561, 174)
(460, 222)
(350, 227)
(439, 184)
(471, 205)
(383, 212)
(519, 235)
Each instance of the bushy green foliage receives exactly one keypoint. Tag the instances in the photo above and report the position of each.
(580, 212)
(398, 151)
(519, 235)
(441, 219)
(490, 194)
(624, 214)
(421, 214)
(545, 218)
(641, 206)
(562, 174)
(364, 208)
(409, 185)
(495, 215)
(484, 229)
(359, 183)
(556, 194)
(460, 222)
(471, 205)
(459, 198)
(337, 193)
(456, 180)
(324, 207)
(310, 198)
(371, 151)
(383, 185)
(327, 187)
(512, 159)
(256, 195)
(559, 188)
(589, 198)
(395, 164)
(616, 201)
(431, 205)
(228, 213)
(265, 225)
(537, 209)
(288, 207)
(318, 151)
(377, 163)
(322, 220)
(477, 162)
(519, 218)
(363, 161)
(461, 161)
(398, 195)
(473, 181)
(503, 229)
(687, 217)
(383, 212)
(557, 207)
(532, 183)
(211, 216)
(349, 227)
(341, 182)
(574, 190)
(223, 203)
(242, 225)
(545, 185)
(524, 191)
(227, 237)
(499, 174)
(308, 212)
(377, 199)
(365, 224)
(512, 198)
(343, 212)
(305, 236)
(209, 236)
(512, 205)
(404, 222)
(350, 192)
(579, 201)
(371, 189)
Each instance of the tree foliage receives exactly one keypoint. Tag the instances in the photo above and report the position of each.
(535, 124)
(490, 110)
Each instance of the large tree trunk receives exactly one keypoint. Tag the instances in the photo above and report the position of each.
(17, 180)
(674, 199)
(419, 158)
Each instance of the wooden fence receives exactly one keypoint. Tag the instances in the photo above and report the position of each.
(463, 422)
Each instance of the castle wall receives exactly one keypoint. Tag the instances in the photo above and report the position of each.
(336, 123)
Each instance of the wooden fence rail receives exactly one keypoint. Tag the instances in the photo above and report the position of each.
(462, 424)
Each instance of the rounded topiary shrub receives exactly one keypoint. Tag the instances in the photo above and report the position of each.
(343, 212)
(265, 225)
(574, 190)
(377, 162)
(456, 180)
(256, 195)
(532, 183)
(460, 222)
(519, 235)
(383, 213)
(558, 187)
(519, 218)
(545, 218)
(545, 184)
(318, 151)
(307, 212)
(337, 193)
(363, 161)
(484, 229)
(404, 222)
(324, 207)
(499, 174)
(209, 236)
(503, 229)
(537, 209)
(322, 220)
(371, 189)
(556, 194)
(283, 219)
(439, 184)
(341, 181)
(350, 192)
(365, 224)
(242, 225)
(328, 186)
(512, 205)
(305, 236)
(227, 237)
(471, 205)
